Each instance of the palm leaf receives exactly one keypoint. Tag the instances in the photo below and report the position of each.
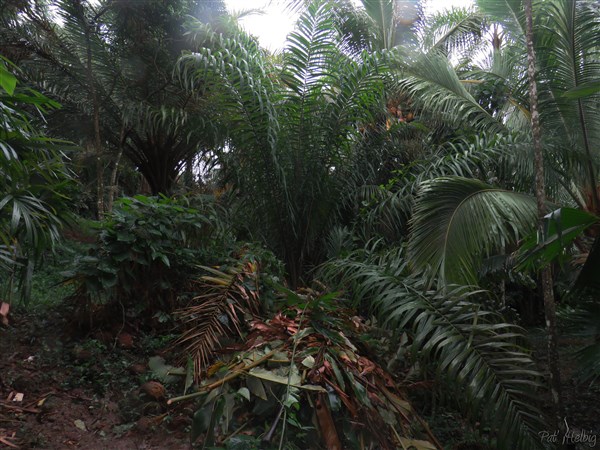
(572, 60)
(454, 31)
(476, 355)
(436, 88)
(457, 221)
(217, 313)
(508, 12)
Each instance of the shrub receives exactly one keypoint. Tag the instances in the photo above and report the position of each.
(147, 250)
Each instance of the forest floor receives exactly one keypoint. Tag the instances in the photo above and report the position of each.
(58, 391)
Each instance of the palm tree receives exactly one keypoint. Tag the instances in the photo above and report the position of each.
(565, 122)
(473, 353)
(565, 46)
(111, 65)
(34, 182)
(293, 129)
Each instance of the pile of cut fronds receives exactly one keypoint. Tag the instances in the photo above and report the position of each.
(303, 370)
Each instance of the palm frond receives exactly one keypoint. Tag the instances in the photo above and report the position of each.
(218, 313)
(436, 88)
(573, 60)
(457, 221)
(453, 31)
(310, 50)
(508, 12)
(479, 356)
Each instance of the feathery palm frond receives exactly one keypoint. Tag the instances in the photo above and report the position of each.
(508, 12)
(454, 31)
(292, 132)
(33, 181)
(472, 349)
(218, 312)
(503, 160)
(436, 88)
(456, 221)
(383, 15)
(570, 47)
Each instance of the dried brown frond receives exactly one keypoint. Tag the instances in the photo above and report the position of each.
(218, 313)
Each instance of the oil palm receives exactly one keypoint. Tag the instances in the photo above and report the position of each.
(111, 65)
(293, 129)
(475, 355)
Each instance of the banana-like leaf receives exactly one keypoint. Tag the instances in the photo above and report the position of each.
(561, 228)
(8, 81)
(458, 221)
(588, 281)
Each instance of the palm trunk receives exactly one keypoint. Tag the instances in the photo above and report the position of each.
(546, 274)
(96, 123)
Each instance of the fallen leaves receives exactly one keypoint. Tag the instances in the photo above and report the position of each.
(4, 309)
(154, 389)
(7, 439)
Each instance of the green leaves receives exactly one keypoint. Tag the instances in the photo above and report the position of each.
(457, 221)
(293, 131)
(311, 49)
(436, 88)
(561, 228)
(8, 81)
(475, 354)
(583, 90)
(148, 248)
(34, 182)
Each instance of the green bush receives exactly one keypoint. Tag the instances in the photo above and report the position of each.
(147, 250)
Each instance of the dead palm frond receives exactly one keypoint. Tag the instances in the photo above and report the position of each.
(227, 297)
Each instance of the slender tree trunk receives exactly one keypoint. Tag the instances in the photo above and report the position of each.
(546, 274)
(188, 177)
(112, 192)
(96, 122)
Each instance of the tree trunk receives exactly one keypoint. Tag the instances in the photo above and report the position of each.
(112, 192)
(546, 274)
(96, 123)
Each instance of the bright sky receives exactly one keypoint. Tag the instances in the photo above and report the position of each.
(272, 27)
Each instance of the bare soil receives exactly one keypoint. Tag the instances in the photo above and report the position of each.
(79, 393)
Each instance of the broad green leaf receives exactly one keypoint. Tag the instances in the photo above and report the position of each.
(259, 372)
(244, 392)
(583, 90)
(294, 380)
(416, 444)
(201, 421)
(8, 81)
(164, 372)
(561, 228)
(189, 376)
(256, 387)
(309, 362)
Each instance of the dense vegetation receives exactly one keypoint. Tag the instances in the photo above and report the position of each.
(394, 200)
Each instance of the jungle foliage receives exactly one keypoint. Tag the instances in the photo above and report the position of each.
(325, 228)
